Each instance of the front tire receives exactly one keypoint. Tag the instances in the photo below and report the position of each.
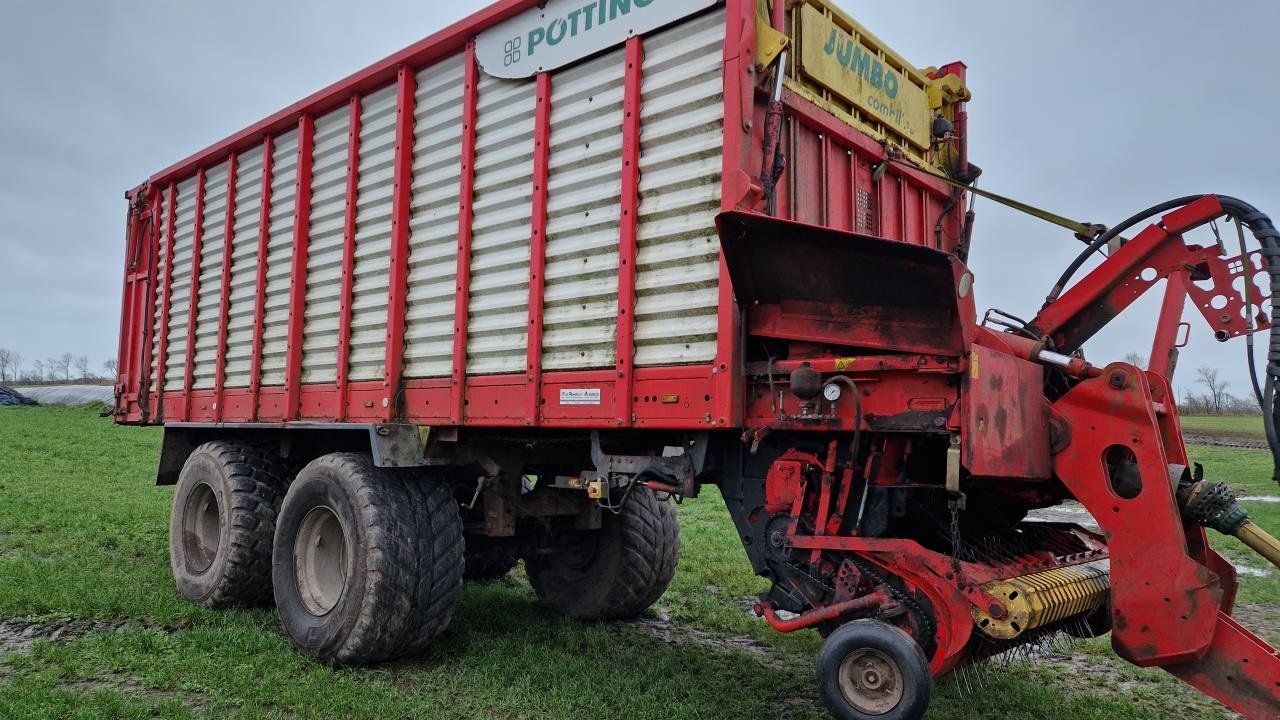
(223, 523)
(367, 562)
(869, 670)
(615, 572)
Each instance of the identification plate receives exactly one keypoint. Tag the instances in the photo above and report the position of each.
(565, 31)
(584, 396)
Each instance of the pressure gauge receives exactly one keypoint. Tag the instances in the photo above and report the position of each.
(831, 392)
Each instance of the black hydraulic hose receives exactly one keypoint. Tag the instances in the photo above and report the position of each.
(1249, 290)
(1102, 240)
(1269, 238)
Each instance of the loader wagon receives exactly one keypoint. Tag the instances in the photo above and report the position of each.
(506, 294)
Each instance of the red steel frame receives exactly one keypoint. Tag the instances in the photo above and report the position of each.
(709, 395)
(466, 190)
(629, 228)
(162, 354)
(193, 311)
(399, 272)
(260, 277)
(298, 273)
(137, 298)
(348, 255)
(538, 248)
(224, 303)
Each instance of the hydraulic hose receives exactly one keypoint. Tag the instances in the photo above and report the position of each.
(1264, 231)
(1269, 238)
(1102, 240)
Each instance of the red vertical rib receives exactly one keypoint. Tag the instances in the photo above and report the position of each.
(154, 248)
(470, 101)
(739, 105)
(348, 254)
(260, 280)
(629, 230)
(298, 277)
(162, 357)
(197, 243)
(538, 247)
(224, 306)
(398, 287)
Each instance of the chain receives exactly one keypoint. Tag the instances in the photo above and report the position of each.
(815, 580)
(927, 629)
(955, 504)
(922, 618)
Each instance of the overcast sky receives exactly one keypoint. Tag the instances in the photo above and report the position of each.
(1095, 110)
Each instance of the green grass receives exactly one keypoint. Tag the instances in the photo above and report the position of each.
(83, 539)
(1241, 426)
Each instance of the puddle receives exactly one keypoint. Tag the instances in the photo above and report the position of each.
(1260, 498)
(18, 636)
(660, 626)
(110, 681)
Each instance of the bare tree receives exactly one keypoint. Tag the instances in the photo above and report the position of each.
(111, 367)
(1134, 358)
(37, 369)
(82, 367)
(9, 362)
(67, 363)
(58, 368)
(1215, 388)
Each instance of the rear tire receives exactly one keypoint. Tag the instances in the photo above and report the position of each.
(869, 670)
(615, 572)
(367, 562)
(223, 522)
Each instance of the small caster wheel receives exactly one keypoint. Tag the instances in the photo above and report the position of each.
(869, 670)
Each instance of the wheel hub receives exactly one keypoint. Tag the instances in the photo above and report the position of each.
(201, 528)
(320, 560)
(871, 681)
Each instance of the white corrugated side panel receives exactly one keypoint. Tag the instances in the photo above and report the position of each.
(184, 234)
(209, 294)
(373, 235)
(162, 292)
(497, 327)
(583, 211)
(433, 225)
(275, 320)
(244, 267)
(324, 248)
(680, 166)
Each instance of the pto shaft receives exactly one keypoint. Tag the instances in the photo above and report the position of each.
(1212, 505)
(1260, 540)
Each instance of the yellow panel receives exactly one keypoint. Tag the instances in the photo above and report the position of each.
(872, 79)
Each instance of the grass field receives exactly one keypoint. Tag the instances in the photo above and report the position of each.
(1241, 426)
(91, 627)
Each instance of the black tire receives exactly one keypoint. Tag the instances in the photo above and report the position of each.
(869, 670)
(615, 572)
(489, 559)
(223, 523)
(367, 562)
